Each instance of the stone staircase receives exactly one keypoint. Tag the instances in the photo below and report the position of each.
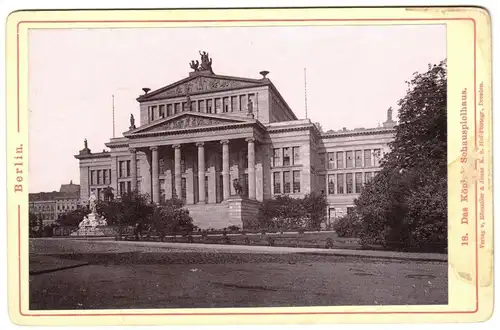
(207, 216)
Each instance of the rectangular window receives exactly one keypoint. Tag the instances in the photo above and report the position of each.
(276, 157)
(170, 110)
(225, 104)
(331, 184)
(331, 160)
(183, 189)
(218, 105)
(129, 186)
(368, 158)
(340, 183)
(286, 182)
(296, 155)
(109, 181)
(98, 196)
(105, 176)
(359, 182)
(350, 182)
(209, 106)
(98, 176)
(243, 102)
(92, 177)
(201, 106)
(128, 168)
(286, 157)
(340, 159)
(162, 111)
(348, 161)
(120, 169)
(359, 158)
(296, 181)
(377, 155)
(193, 105)
(277, 182)
(122, 188)
(368, 177)
(206, 188)
(234, 103)
(177, 108)
(154, 109)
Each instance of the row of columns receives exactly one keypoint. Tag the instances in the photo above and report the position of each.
(201, 170)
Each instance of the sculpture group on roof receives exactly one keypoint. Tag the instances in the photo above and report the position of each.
(206, 63)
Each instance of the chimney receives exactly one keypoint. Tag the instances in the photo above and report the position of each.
(146, 90)
(264, 74)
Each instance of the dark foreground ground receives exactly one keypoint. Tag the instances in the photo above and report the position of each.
(134, 276)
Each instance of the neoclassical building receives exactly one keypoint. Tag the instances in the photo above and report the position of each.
(206, 136)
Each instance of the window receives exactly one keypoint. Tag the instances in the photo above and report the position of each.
(359, 182)
(120, 169)
(234, 103)
(286, 182)
(276, 157)
(331, 184)
(277, 182)
(286, 157)
(92, 177)
(368, 158)
(177, 108)
(162, 111)
(243, 102)
(218, 105)
(340, 183)
(359, 158)
(183, 189)
(368, 177)
(377, 155)
(122, 188)
(349, 183)
(161, 165)
(296, 181)
(183, 164)
(296, 155)
(206, 188)
(153, 112)
(170, 110)
(193, 105)
(340, 159)
(128, 168)
(201, 106)
(331, 160)
(105, 176)
(98, 195)
(348, 161)
(98, 177)
(209, 106)
(226, 104)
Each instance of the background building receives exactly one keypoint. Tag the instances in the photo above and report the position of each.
(204, 137)
(49, 205)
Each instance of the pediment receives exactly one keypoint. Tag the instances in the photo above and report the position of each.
(200, 84)
(186, 121)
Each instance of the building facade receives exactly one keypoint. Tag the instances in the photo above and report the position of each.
(224, 144)
(49, 205)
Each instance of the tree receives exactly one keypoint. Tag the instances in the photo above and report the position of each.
(405, 206)
(171, 217)
(34, 224)
(72, 218)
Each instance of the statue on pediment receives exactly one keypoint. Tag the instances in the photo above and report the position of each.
(132, 121)
(86, 146)
(206, 62)
(195, 65)
(250, 106)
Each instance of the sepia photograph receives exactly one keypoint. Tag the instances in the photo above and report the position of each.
(226, 167)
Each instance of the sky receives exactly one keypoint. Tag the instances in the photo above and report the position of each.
(354, 74)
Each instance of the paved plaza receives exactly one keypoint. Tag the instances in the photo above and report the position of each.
(107, 274)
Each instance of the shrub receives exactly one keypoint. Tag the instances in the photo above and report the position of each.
(349, 225)
(171, 217)
(233, 228)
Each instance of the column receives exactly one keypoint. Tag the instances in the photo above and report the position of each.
(133, 165)
(225, 169)
(155, 178)
(201, 173)
(251, 168)
(177, 169)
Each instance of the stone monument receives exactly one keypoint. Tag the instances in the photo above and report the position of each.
(92, 224)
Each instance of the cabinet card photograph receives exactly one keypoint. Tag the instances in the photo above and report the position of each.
(249, 166)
